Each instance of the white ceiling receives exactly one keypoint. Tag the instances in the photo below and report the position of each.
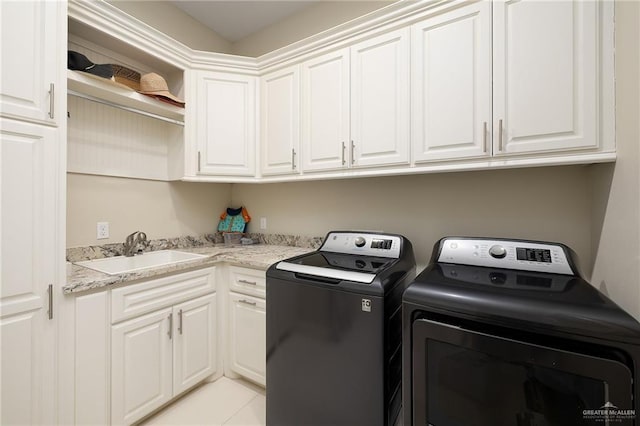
(235, 20)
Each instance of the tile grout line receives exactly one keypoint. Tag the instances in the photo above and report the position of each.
(242, 408)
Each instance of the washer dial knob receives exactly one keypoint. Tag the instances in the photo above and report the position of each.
(360, 241)
(498, 251)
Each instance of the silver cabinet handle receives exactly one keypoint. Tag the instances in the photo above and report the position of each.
(248, 282)
(199, 161)
(353, 157)
(180, 321)
(293, 159)
(50, 293)
(170, 332)
(500, 135)
(247, 302)
(343, 149)
(52, 100)
(484, 136)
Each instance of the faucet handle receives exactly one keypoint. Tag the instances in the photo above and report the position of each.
(141, 240)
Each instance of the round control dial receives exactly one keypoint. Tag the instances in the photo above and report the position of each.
(498, 251)
(360, 241)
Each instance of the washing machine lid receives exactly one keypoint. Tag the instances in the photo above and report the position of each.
(357, 256)
(337, 266)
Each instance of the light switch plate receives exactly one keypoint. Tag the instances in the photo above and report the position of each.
(263, 223)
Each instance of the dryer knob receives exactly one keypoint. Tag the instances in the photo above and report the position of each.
(498, 252)
(360, 241)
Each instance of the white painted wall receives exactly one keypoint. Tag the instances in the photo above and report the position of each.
(172, 21)
(309, 21)
(551, 203)
(161, 209)
(616, 188)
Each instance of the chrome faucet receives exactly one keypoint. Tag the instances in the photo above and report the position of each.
(132, 241)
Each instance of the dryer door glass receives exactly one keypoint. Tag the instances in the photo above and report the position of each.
(464, 377)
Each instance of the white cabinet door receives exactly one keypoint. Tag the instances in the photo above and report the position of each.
(380, 100)
(30, 35)
(28, 226)
(451, 85)
(280, 121)
(325, 111)
(195, 343)
(226, 124)
(247, 336)
(545, 75)
(141, 366)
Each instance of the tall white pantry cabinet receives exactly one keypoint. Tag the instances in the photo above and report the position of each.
(32, 157)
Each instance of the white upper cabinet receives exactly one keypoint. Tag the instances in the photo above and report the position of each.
(280, 121)
(545, 76)
(325, 111)
(380, 100)
(451, 85)
(30, 41)
(226, 124)
(355, 108)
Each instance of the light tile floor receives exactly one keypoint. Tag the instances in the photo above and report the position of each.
(223, 402)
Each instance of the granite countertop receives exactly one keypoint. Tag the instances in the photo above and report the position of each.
(258, 256)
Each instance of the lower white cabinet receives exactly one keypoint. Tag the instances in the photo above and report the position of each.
(247, 336)
(141, 366)
(247, 324)
(157, 356)
(194, 350)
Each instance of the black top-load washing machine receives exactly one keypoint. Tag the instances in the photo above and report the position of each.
(506, 332)
(334, 328)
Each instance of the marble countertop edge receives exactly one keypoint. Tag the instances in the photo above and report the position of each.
(259, 256)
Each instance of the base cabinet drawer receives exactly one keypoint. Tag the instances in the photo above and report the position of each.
(137, 299)
(247, 336)
(248, 281)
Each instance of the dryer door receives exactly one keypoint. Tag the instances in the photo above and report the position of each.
(463, 377)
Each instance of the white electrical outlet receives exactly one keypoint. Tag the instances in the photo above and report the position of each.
(102, 230)
(263, 223)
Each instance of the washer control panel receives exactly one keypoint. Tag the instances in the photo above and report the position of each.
(363, 243)
(506, 254)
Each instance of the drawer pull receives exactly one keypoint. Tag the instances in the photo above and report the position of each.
(247, 302)
(247, 282)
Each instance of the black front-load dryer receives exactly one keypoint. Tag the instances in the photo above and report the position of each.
(503, 332)
(334, 332)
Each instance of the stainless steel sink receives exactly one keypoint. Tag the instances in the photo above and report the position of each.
(122, 264)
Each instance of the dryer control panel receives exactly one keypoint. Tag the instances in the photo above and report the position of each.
(506, 254)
